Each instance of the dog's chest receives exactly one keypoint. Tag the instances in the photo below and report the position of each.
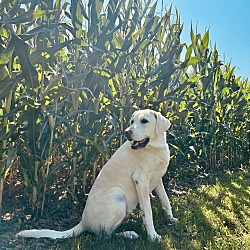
(160, 170)
(154, 164)
(152, 167)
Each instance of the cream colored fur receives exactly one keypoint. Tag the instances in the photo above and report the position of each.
(127, 179)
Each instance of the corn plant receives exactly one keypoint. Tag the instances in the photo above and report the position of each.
(72, 72)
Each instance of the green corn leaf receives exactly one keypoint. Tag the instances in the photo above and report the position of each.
(193, 60)
(12, 112)
(183, 87)
(141, 45)
(27, 163)
(59, 91)
(127, 44)
(147, 7)
(10, 158)
(33, 130)
(5, 56)
(6, 86)
(157, 81)
(53, 169)
(149, 26)
(11, 131)
(205, 40)
(28, 16)
(110, 28)
(176, 148)
(194, 78)
(39, 55)
(84, 13)
(95, 11)
(157, 69)
(95, 144)
(77, 17)
(188, 52)
(29, 72)
(126, 9)
(53, 83)
(193, 37)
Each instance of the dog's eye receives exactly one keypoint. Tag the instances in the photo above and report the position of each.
(144, 121)
(132, 121)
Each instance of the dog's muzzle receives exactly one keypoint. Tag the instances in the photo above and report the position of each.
(128, 134)
(140, 144)
(136, 144)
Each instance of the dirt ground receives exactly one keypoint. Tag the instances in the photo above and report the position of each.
(17, 216)
(59, 214)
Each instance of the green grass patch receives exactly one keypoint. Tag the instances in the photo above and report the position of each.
(212, 216)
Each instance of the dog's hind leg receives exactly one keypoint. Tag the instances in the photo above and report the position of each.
(105, 213)
(129, 234)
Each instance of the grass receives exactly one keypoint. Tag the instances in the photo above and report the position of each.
(215, 216)
(212, 216)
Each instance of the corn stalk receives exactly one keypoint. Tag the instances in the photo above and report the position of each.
(85, 176)
(7, 105)
(96, 109)
(51, 120)
(75, 100)
(34, 188)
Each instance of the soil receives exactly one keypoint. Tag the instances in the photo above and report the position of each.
(17, 215)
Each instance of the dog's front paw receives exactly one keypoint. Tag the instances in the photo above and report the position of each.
(173, 219)
(156, 237)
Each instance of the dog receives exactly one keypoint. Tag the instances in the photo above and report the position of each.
(128, 178)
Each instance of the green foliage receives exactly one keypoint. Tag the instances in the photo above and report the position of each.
(71, 73)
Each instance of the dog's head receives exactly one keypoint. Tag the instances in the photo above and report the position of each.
(146, 126)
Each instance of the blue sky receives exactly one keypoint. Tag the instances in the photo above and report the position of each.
(229, 25)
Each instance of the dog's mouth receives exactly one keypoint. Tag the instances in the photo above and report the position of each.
(140, 144)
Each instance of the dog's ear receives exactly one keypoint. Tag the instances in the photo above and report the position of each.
(162, 123)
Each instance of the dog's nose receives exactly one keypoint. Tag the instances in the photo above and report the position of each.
(128, 134)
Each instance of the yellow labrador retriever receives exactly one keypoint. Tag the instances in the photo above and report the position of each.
(131, 174)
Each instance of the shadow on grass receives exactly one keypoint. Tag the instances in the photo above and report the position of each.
(215, 216)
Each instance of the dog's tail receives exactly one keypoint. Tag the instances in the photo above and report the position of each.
(46, 233)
